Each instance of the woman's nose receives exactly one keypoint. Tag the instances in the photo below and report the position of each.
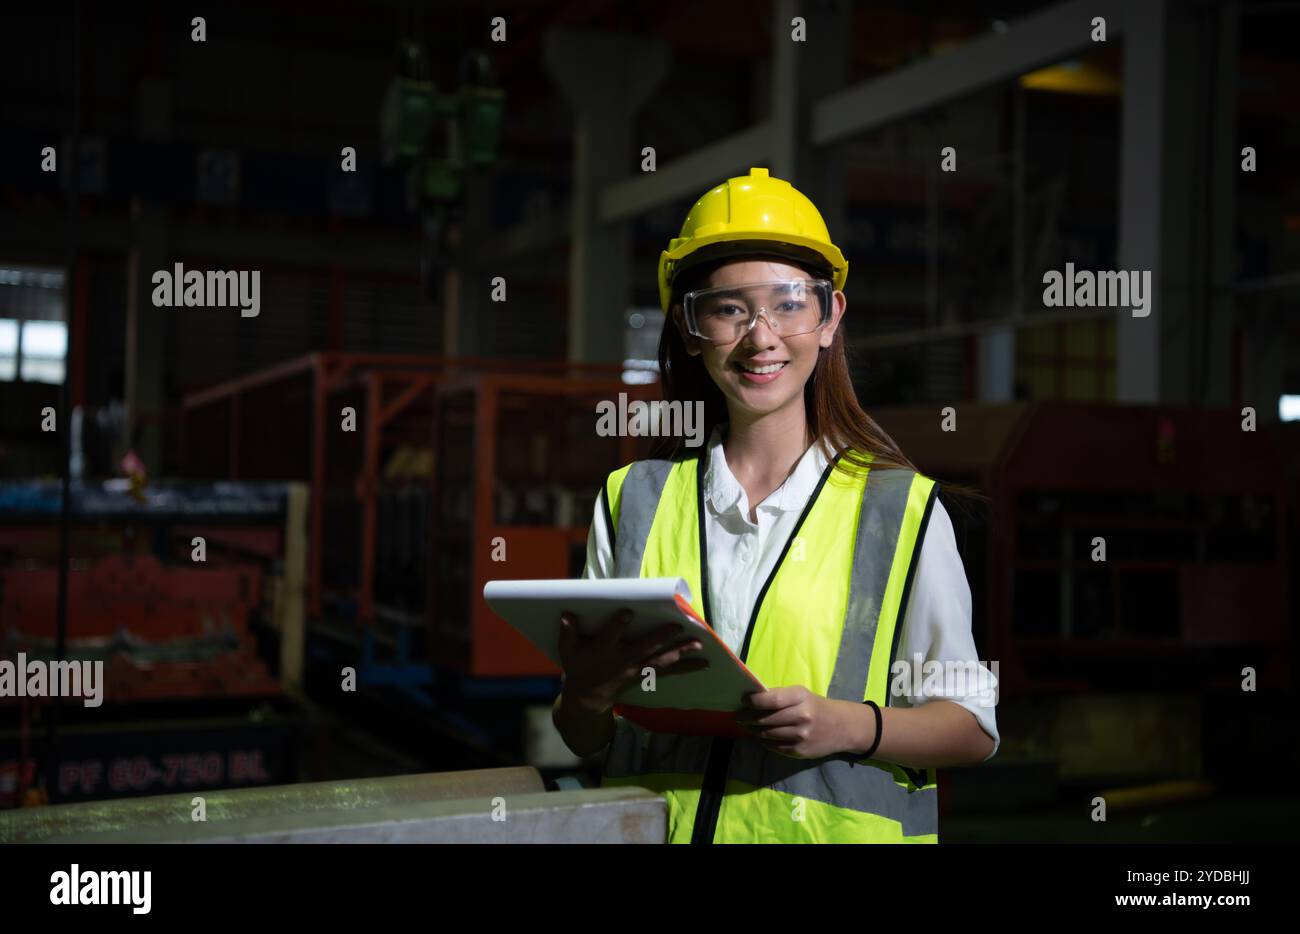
(768, 335)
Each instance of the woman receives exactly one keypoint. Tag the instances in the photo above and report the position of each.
(813, 547)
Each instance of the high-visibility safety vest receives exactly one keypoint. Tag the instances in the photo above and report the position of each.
(828, 618)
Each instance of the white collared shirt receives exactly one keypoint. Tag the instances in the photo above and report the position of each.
(937, 621)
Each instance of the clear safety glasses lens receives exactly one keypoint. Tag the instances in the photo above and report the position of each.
(789, 306)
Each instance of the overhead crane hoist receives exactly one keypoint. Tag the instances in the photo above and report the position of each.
(439, 137)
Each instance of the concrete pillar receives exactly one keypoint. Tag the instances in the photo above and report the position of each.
(606, 78)
(804, 73)
(1142, 164)
(787, 88)
(1186, 172)
(995, 351)
(1178, 211)
(996, 356)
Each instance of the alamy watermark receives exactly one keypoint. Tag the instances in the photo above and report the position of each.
(90, 887)
(658, 419)
(1107, 288)
(37, 678)
(194, 288)
(951, 678)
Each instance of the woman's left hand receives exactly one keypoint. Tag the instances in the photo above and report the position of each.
(796, 722)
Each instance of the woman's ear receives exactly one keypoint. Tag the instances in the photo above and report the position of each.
(839, 303)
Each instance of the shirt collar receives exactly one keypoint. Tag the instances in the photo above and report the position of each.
(723, 491)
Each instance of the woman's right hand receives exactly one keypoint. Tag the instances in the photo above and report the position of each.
(598, 668)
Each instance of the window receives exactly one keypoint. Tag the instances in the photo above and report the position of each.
(45, 344)
(8, 348)
(1069, 361)
(33, 332)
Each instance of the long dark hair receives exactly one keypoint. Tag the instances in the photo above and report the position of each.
(836, 420)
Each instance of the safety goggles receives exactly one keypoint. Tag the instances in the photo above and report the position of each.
(726, 313)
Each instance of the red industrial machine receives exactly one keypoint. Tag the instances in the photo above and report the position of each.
(169, 624)
(164, 633)
(167, 627)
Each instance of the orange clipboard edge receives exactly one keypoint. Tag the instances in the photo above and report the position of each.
(689, 722)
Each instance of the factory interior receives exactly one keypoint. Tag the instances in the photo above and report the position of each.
(272, 518)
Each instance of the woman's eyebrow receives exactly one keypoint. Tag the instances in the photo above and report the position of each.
(723, 292)
(779, 288)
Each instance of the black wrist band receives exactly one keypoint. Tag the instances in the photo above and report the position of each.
(879, 726)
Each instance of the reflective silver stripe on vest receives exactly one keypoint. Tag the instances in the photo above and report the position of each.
(636, 751)
(636, 513)
(838, 781)
(880, 520)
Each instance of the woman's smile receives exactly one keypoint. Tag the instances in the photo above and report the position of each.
(760, 371)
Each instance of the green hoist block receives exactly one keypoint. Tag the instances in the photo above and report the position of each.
(408, 115)
(439, 180)
(482, 112)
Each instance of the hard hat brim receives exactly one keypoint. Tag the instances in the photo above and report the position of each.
(757, 247)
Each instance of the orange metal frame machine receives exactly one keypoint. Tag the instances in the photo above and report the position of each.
(276, 424)
(482, 644)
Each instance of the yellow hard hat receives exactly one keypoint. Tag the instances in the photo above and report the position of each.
(752, 214)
